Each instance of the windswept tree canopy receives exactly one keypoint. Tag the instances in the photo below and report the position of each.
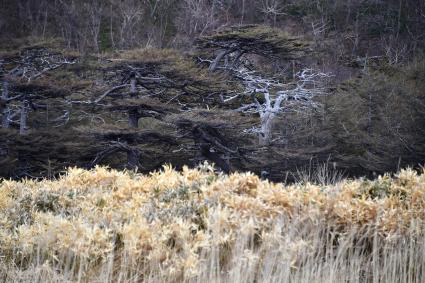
(253, 39)
(165, 75)
(257, 39)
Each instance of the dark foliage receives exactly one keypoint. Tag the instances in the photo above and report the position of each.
(134, 84)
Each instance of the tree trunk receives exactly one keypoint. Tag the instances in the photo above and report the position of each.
(23, 166)
(5, 110)
(24, 117)
(132, 159)
(369, 114)
(265, 135)
(5, 122)
(133, 122)
(133, 115)
(5, 92)
(215, 157)
(217, 59)
(237, 58)
(133, 89)
(133, 119)
(111, 27)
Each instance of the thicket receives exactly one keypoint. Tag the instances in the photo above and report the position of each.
(199, 226)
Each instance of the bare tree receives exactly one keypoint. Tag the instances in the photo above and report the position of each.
(95, 11)
(272, 9)
(232, 47)
(198, 17)
(278, 98)
(130, 16)
(34, 15)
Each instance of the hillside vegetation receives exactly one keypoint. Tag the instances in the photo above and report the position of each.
(265, 86)
(197, 225)
(143, 108)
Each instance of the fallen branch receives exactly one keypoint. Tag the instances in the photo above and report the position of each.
(110, 91)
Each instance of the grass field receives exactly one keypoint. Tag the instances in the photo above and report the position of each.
(200, 226)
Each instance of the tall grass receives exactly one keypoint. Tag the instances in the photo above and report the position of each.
(323, 174)
(199, 226)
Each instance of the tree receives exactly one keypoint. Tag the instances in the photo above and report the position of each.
(22, 88)
(151, 83)
(276, 97)
(30, 85)
(231, 44)
(377, 120)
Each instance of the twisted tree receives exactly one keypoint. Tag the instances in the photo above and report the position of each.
(23, 88)
(150, 84)
(278, 98)
(230, 45)
(268, 96)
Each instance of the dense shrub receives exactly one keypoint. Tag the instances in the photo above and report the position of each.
(199, 226)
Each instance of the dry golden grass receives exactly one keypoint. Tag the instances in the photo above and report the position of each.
(198, 226)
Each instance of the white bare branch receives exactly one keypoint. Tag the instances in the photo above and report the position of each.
(278, 97)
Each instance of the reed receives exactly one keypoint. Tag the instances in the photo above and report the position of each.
(200, 226)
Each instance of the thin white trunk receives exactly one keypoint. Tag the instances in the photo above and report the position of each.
(133, 115)
(5, 92)
(133, 89)
(96, 20)
(24, 117)
(111, 27)
(5, 123)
